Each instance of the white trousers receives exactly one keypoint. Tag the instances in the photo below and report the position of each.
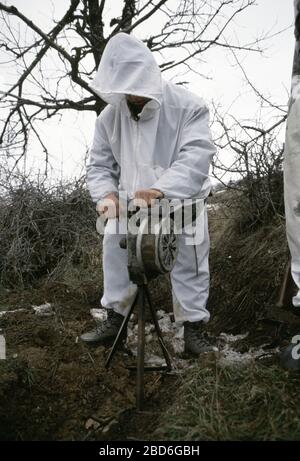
(291, 190)
(189, 277)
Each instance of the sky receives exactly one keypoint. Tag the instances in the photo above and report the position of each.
(69, 138)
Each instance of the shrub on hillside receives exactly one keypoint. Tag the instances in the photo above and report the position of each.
(43, 228)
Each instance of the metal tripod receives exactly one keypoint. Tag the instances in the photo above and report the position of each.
(151, 251)
(142, 296)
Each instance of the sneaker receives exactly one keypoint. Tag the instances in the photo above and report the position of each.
(196, 340)
(106, 331)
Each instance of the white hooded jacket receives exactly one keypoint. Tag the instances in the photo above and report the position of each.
(169, 148)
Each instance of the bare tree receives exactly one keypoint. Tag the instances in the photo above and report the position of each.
(75, 45)
(250, 152)
(249, 160)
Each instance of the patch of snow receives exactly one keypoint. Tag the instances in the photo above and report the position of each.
(230, 357)
(213, 207)
(44, 309)
(172, 335)
(180, 331)
(99, 314)
(231, 338)
(154, 360)
(11, 312)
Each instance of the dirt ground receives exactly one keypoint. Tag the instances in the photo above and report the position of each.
(53, 387)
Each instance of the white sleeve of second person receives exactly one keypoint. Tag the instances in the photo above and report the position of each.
(185, 177)
(102, 170)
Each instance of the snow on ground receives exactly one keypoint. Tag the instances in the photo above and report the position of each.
(172, 334)
(46, 309)
(213, 207)
(2, 313)
(173, 337)
(231, 357)
(98, 314)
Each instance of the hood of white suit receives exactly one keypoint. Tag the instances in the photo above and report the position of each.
(127, 67)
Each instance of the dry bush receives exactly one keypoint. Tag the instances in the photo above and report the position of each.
(260, 200)
(255, 155)
(44, 232)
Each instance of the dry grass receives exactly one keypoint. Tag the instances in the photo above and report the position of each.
(253, 402)
(247, 264)
(249, 403)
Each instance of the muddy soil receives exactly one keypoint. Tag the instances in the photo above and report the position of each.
(53, 387)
